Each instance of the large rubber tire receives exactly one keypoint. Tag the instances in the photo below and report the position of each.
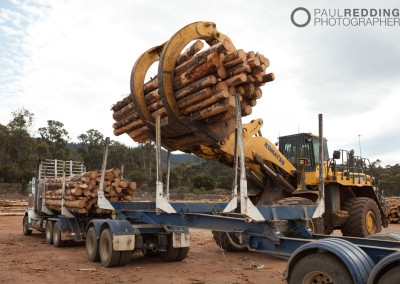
(108, 257)
(316, 225)
(171, 254)
(225, 239)
(25, 226)
(49, 232)
(293, 201)
(320, 268)
(92, 245)
(365, 217)
(57, 242)
(183, 252)
(124, 258)
(391, 276)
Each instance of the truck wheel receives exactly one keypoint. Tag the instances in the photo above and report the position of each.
(391, 276)
(183, 252)
(365, 218)
(171, 254)
(320, 268)
(57, 242)
(49, 232)
(25, 226)
(108, 256)
(92, 245)
(228, 241)
(125, 258)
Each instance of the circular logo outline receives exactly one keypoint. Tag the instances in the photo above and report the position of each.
(308, 15)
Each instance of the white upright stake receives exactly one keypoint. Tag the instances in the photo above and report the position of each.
(162, 204)
(247, 208)
(102, 202)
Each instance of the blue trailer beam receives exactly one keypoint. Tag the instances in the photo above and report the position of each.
(268, 212)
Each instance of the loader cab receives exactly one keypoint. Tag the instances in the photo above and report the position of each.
(302, 145)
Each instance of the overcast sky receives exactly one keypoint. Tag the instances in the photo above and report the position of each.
(71, 60)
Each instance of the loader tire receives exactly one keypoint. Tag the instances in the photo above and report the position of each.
(365, 218)
(316, 224)
(228, 241)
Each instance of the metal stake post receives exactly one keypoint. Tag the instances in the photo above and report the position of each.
(233, 203)
(162, 204)
(321, 197)
(102, 201)
(64, 210)
(168, 173)
(247, 208)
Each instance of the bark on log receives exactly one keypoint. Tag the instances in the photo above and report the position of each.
(190, 52)
(254, 62)
(195, 97)
(233, 56)
(196, 86)
(219, 48)
(258, 69)
(124, 112)
(207, 102)
(216, 108)
(239, 68)
(129, 127)
(120, 104)
(207, 66)
(137, 132)
(133, 116)
(236, 80)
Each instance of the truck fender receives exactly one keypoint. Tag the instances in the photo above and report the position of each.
(31, 215)
(356, 260)
(383, 266)
(117, 227)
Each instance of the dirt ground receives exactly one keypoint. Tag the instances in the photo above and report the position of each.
(28, 259)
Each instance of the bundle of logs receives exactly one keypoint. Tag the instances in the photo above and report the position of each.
(393, 209)
(81, 191)
(204, 86)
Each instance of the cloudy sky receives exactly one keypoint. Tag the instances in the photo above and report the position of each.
(71, 60)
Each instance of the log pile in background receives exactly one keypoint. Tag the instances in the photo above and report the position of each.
(393, 209)
(12, 207)
(81, 191)
(204, 86)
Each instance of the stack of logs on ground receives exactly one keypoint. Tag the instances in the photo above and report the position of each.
(393, 209)
(81, 191)
(204, 86)
(12, 207)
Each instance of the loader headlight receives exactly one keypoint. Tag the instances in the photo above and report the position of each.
(303, 162)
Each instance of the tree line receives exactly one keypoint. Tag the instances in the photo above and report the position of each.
(21, 150)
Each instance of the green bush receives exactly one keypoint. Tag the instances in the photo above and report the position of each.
(203, 181)
(225, 182)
